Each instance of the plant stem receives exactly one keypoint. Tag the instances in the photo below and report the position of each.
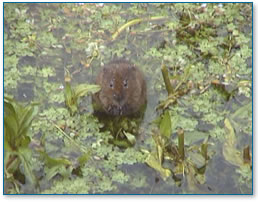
(204, 150)
(165, 75)
(181, 144)
(246, 155)
(133, 22)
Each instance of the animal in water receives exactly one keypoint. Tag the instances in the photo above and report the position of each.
(123, 88)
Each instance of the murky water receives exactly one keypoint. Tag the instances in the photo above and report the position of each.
(42, 40)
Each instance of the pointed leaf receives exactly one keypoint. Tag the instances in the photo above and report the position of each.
(11, 129)
(68, 93)
(165, 125)
(155, 164)
(9, 109)
(131, 138)
(26, 120)
(83, 89)
(230, 153)
(52, 172)
(51, 162)
(25, 157)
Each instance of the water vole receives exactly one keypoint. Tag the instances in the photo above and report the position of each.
(123, 88)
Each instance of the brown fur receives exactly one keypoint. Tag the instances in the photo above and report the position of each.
(123, 88)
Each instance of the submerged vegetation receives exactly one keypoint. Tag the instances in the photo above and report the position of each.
(196, 134)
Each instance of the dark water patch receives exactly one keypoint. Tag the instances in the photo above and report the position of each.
(25, 91)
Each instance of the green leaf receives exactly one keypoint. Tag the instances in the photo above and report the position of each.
(73, 109)
(165, 125)
(70, 98)
(84, 158)
(58, 169)
(131, 138)
(84, 89)
(9, 109)
(121, 143)
(72, 95)
(7, 146)
(51, 162)
(68, 93)
(153, 162)
(26, 119)
(11, 129)
(53, 171)
(25, 157)
(160, 152)
(230, 153)
(25, 141)
(11, 162)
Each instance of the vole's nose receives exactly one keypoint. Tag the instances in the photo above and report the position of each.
(118, 97)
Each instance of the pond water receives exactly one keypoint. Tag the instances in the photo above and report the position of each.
(206, 47)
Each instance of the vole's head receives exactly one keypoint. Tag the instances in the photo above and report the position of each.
(118, 84)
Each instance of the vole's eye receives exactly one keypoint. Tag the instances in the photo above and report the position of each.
(125, 83)
(111, 84)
